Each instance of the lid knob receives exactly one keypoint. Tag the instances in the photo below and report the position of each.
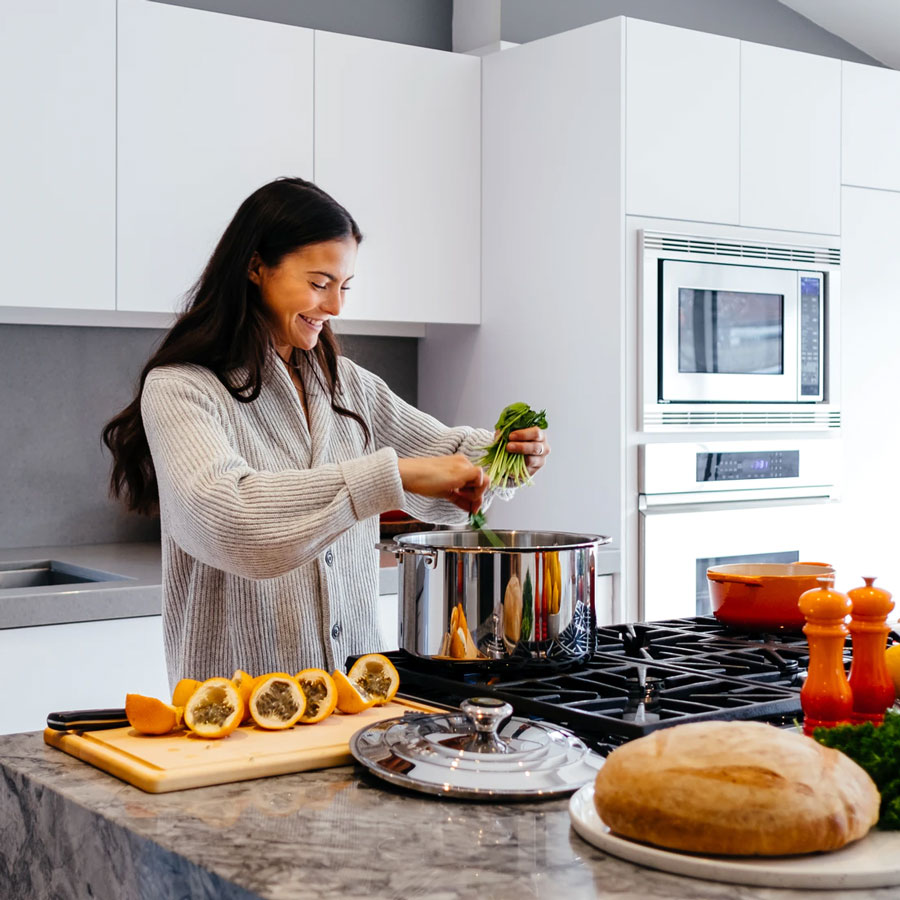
(486, 714)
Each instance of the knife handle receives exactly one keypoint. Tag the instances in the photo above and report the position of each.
(87, 719)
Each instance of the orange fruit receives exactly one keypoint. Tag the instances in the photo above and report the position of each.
(244, 683)
(350, 697)
(183, 691)
(377, 677)
(276, 701)
(892, 659)
(215, 708)
(151, 716)
(321, 695)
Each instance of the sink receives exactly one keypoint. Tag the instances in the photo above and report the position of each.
(46, 572)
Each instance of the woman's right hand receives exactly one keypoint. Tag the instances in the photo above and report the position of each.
(453, 478)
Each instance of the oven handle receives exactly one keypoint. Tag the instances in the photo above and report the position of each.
(649, 504)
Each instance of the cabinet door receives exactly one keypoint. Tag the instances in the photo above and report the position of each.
(870, 126)
(85, 665)
(58, 153)
(790, 140)
(870, 373)
(398, 143)
(681, 123)
(211, 107)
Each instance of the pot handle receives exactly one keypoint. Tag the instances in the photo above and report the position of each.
(429, 558)
(723, 577)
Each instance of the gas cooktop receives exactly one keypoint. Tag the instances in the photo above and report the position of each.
(642, 676)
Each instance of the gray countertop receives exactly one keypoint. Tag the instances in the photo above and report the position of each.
(71, 831)
(138, 591)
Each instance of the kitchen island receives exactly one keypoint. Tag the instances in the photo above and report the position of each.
(70, 831)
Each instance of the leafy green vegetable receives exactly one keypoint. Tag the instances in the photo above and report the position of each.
(877, 750)
(509, 468)
(477, 520)
(527, 607)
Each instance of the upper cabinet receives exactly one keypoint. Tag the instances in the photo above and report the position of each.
(790, 140)
(398, 144)
(211, 106)
(57, 156)
(682, 123)
(871, 127)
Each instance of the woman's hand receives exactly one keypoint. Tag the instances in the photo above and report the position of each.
(532, 442)
(452, 478)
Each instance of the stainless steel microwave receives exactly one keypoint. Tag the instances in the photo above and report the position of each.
(738, 334)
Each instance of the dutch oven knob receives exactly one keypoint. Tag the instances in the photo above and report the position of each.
(486, 714)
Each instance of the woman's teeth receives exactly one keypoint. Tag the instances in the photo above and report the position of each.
(313, 323)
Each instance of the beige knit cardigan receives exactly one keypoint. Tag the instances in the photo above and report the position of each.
(269, 525)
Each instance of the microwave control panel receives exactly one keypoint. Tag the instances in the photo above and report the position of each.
(810, 336)
(741, 466)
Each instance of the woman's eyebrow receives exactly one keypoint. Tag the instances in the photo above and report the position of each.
(326, 274)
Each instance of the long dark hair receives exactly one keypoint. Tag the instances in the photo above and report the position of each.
(225, 327)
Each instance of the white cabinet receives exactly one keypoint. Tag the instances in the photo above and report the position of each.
(57, 156)
(85, 665)
(870, 370)
(790, 140)
(681, 123)
(870, 125)
(398, 144)
(211, 106)
(389, 620)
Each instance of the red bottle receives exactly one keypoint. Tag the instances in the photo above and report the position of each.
(870, 682)
(826, 698)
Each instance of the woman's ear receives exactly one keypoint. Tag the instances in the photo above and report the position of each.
(253, 269)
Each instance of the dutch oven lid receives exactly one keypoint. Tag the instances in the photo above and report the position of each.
(480, 753)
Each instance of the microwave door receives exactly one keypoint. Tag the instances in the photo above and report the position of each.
(728, 334)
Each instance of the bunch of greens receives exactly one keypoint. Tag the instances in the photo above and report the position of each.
(877, 750)
(477, 520)
(505, 468)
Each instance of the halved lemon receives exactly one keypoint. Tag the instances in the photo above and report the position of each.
(351, 698)
(276, 701)
(215, 708)
(321, 695)
(183, 691)
(376, 676)
(148, 715)
(244, 683)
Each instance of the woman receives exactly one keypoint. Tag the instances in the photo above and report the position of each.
(269, 456)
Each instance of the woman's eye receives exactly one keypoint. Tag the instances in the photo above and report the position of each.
(345, 288)
(318, 287)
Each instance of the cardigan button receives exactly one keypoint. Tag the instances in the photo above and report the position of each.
(329, 557)
(335, 631)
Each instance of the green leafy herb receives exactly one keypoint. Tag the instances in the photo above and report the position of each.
(877, 750)
(477, 520)
(502, 466)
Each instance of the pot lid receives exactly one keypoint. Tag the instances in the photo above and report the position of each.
(478, 753)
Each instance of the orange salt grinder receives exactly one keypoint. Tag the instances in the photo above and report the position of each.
(871, 684)
(825, 698)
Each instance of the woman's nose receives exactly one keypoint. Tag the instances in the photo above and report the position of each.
(334, 301)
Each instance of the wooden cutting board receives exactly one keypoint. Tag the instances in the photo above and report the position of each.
(173, 762)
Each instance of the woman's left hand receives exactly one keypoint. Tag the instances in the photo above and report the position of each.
(532, 442)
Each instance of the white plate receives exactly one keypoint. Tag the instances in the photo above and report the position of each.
(870, 863)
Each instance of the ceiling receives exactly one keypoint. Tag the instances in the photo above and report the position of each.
(872, 26)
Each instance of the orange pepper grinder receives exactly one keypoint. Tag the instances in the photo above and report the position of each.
(825, 698)
(870, 682)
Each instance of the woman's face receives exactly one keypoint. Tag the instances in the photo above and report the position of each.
(305, 290)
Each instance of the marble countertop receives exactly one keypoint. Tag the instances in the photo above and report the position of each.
(137, 593)
(68, 830)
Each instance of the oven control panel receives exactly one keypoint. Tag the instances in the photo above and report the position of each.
(747, 464)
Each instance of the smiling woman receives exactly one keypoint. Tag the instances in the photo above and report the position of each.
(270, 456)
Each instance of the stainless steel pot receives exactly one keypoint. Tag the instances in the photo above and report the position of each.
(461, 598)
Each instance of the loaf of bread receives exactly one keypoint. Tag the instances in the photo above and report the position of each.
(737, 788)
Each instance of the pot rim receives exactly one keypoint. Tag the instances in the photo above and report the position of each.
(424, 541)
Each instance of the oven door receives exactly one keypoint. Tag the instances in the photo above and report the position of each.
(680, 542)
(728, 334)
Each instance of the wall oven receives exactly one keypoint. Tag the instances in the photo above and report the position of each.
(725, 502)
(738, 334)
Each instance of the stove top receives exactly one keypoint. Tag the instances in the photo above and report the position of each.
(642, 676)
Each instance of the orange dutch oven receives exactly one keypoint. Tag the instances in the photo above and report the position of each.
(762, 596)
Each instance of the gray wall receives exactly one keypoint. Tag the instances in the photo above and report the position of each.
(762, 21)
(426, 23)
(59, 388)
